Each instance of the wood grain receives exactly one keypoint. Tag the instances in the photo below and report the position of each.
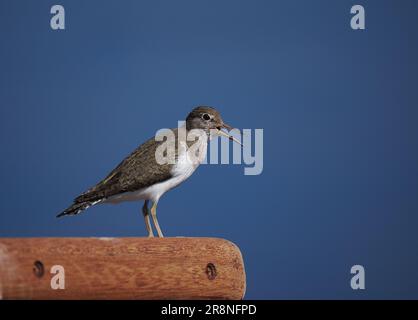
(122, 268)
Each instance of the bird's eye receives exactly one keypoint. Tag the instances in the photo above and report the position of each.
(206, 117)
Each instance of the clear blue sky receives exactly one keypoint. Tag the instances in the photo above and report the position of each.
(339, 109)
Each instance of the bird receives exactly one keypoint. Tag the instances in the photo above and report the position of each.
(143, 176)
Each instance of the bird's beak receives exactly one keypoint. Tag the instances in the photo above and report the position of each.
(223, 133)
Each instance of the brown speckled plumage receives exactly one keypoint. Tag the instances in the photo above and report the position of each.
(137, 171)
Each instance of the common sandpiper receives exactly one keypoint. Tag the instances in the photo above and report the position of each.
(143, 176)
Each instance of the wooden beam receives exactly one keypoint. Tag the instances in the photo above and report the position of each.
(121, 268)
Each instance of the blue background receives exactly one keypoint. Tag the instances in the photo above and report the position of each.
(338, 108)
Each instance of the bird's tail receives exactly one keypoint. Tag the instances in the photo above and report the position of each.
(76, 208)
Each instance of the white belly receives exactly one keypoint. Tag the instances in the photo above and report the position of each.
(185, 166)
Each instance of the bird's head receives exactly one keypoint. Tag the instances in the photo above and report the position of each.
(208, 119)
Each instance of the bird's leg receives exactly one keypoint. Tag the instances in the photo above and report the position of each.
(145, 212)
(154, 218)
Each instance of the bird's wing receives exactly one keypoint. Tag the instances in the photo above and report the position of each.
(139, 170)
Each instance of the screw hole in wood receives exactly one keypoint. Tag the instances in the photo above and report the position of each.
(211, 271)
(38, 269)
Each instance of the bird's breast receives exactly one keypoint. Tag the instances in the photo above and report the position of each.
(189, 158)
